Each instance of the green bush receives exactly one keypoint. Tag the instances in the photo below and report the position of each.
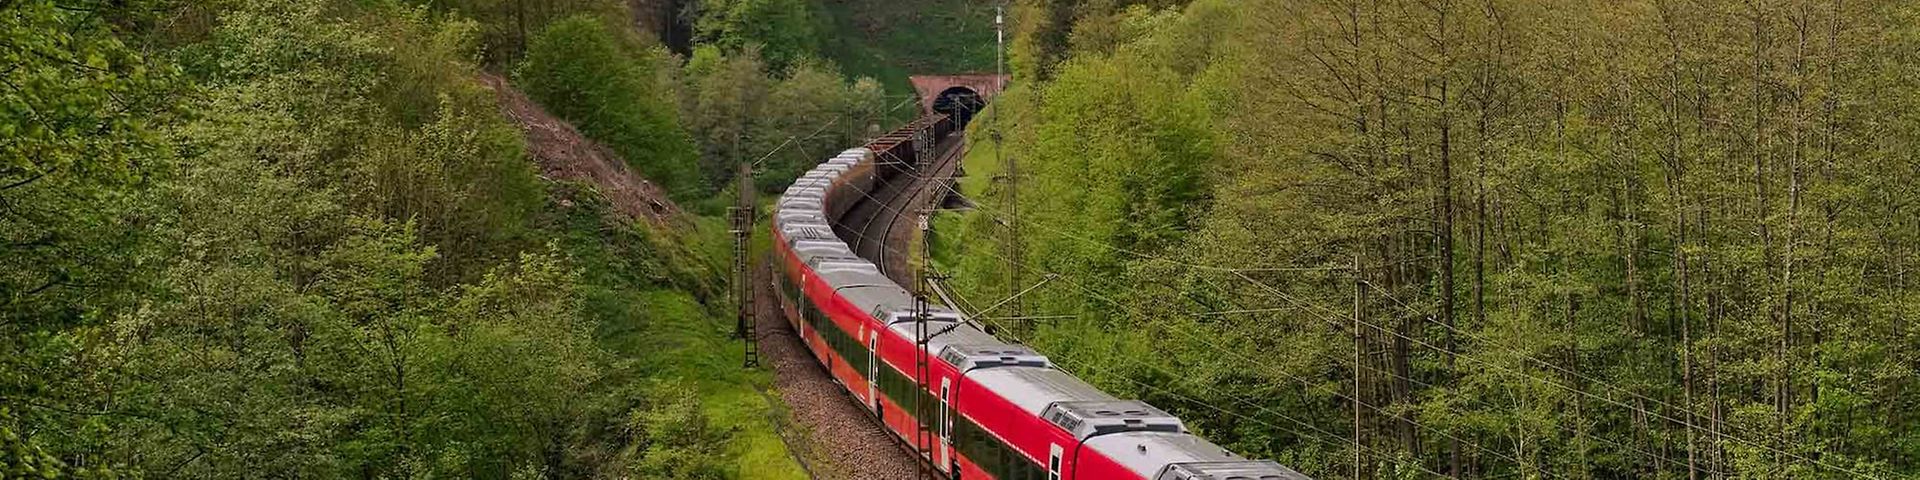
(584, 72)
(785, 31)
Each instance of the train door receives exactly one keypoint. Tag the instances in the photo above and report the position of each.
(1053, 462)
(803, 322)
(943, 453)
(873, 369)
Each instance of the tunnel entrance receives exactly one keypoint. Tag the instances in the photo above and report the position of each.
(959, 102)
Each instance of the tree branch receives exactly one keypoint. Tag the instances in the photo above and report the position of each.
(23, 183)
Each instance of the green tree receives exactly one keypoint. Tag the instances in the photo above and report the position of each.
(784, 31)
(79, 157)
(586, 73)
(508, 26)
(745, 113)
(1593, 241)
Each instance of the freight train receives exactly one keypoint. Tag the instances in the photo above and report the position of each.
(972, 405)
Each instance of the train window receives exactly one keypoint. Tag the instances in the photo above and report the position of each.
(839, 341)
(998, 459)
(1053, 462)
(904, 391)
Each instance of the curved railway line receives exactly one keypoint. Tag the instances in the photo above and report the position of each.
(966, 404)
(878, 236)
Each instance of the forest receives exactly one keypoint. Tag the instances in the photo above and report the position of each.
(1469, 238)
(1668, 239)
(301, 238)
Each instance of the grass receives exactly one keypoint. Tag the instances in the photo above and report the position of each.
(681, 339)
(642, 285)
(695, 343)
(951, 227)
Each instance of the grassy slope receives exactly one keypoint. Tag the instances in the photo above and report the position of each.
(696, 344)
(681, 340)
(642, 287)
(951, 228)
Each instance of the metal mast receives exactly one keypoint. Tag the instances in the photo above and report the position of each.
(1009, 165)
(743, 216)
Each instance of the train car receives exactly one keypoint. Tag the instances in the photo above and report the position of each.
(974, 406)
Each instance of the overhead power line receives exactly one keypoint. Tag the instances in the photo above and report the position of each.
(1581, 392)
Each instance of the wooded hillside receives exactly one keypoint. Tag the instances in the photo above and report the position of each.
(1488, 238)
(300, 239)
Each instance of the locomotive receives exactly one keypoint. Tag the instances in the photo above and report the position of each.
(974, 406)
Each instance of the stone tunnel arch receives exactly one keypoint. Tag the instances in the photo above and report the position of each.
(964, 93)
(960, 102)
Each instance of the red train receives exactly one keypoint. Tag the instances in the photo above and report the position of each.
(997, 410)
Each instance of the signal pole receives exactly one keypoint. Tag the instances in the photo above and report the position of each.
(1359, 301)
(742, 217)
(1010, 167)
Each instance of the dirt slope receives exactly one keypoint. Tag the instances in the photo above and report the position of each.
(565, 154)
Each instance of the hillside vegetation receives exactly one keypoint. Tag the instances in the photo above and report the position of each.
(299, 239)
(1593, 239)
(890, 40)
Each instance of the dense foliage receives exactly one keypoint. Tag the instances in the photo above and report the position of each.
(608, 86)
(507, 27)
(891, 40)
(296, 238)
(782, 125)
(784, 31)
(1483, 239)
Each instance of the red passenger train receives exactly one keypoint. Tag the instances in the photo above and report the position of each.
(997, 410)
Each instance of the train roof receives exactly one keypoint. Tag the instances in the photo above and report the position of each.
(876, 296)
(806, 191)
(797, 216)
(1240, 470)
(1088, 419)
(944, 327)
(795, 232)
(1036, 388)
(843, 267)
(815, 180)
(1149, 454)
(810, 204)
(987, 351)
(808, 249)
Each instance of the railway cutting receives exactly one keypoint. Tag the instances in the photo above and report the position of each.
(961, 402)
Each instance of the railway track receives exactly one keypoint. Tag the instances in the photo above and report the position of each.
(959, 398)
(876, 222)
(832, 438)
(872, 227)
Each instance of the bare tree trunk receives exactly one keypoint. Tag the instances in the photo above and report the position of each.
(1444, 212)
(1785, 353)
(1676, 188)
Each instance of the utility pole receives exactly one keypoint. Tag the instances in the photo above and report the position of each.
(1010, 168)
(743, 215)
(923, 435)
(1358, 347)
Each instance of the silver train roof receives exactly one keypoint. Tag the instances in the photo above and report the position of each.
(801, 218)
(1183, 456)
(1245, 469)
(1144, 439)
(1033, 389)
